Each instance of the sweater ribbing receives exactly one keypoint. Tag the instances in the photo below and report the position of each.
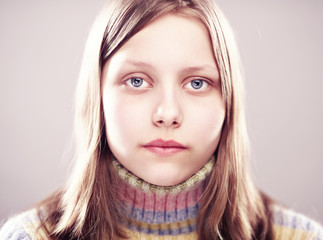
(153, 213)
(158, 210)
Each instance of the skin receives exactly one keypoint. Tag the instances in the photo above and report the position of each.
(149, 93)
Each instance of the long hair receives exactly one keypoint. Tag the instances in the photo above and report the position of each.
(88, 207)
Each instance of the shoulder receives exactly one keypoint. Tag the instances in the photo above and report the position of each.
(22, 227)
(288, 224)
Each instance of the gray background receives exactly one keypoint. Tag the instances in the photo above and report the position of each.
(41, 45)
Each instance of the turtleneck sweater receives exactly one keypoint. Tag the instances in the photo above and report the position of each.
(165, 213)
(156, 212)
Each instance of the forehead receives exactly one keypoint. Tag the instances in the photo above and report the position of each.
(171, 39)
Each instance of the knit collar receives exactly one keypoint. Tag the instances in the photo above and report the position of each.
(160, 210)
(141, 184)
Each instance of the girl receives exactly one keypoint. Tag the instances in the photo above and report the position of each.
(161, 136)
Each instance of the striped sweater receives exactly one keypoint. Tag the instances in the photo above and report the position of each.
(161, 213)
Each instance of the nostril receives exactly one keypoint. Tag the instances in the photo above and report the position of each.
(175, 123)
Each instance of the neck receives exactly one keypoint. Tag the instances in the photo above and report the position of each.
(160, 210)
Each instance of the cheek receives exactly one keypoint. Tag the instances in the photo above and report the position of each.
(215, 121)
(124, 119)
(207, 122)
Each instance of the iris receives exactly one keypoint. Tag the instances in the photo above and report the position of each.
(197, 84)
(136, 82)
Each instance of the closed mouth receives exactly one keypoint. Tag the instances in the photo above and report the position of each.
(164, 144)
(164, 148)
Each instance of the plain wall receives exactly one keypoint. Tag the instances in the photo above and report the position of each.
(41, 46)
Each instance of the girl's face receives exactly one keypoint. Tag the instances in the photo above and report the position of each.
(162, 100)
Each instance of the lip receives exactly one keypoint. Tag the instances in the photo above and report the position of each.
(164, 148)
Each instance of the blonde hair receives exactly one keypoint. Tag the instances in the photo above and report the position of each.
(88, 208)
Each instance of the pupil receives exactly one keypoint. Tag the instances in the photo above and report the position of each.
(196, 84)
(136, 82)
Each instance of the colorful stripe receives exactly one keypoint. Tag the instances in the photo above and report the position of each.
(290, 225)
(134, 235)
(162, 217)
(176, 228)
(155, 202)
(286, 233)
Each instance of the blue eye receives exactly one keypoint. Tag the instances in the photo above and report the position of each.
(136, 82)
(197, 84)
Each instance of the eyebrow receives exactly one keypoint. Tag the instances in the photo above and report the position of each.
(138, 63)
(185, 70)
(206, 67)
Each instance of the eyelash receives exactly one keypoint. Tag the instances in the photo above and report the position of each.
(205, 84)
(130, 82)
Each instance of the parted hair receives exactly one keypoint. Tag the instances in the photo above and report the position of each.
(89, 207)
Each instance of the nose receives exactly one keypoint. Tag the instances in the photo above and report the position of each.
(168, 111)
